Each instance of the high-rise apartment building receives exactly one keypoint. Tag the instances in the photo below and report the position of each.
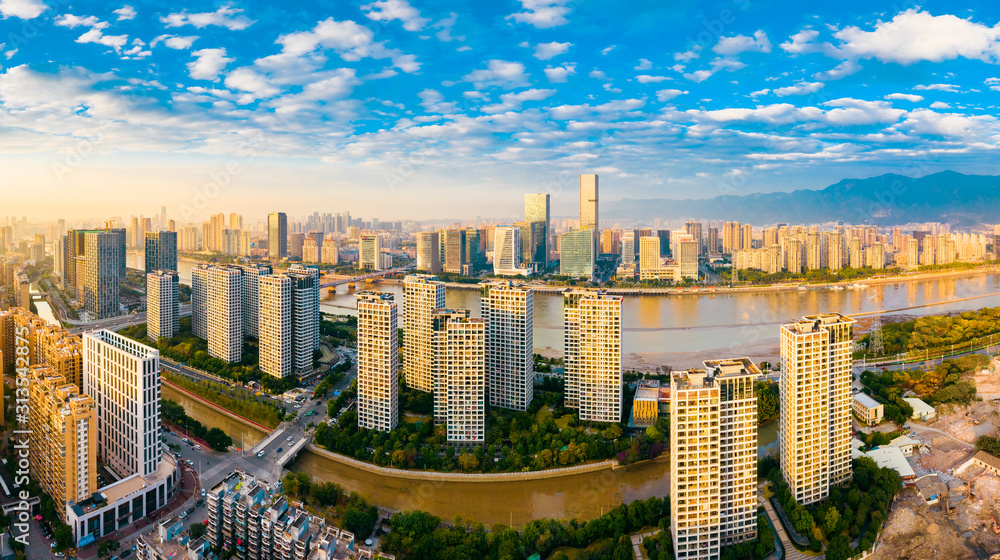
(295, 242)
(277, 235)
(454, 250)
(63, 438)
(713, 457)
(161, 251)
(593, 336)
(536, 210)
(815, 399)
(510, 372)
(628, 247)
(459, 375)
(422, 294)
(378, 362)
(589, 208)
(199, 301)
(275, 334)
(123, 377)
(370, 252)
(649, 254)
(162, 313)
(102, 273)
(225, 313)
(428, 252)
(305, 316)
(251, 300)
(576, 253)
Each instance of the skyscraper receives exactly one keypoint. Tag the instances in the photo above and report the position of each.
(275, 299)
(422, 294)
(162, 314)
(225, 314)
(161, 251)
(277, 235)
(123, 377)
(713, 457)
(589, 217)
(378, 362)
(370, 252)
(815, 400)
(510, 371)
(460, 380)
(454, 250)
(507, 250)
(592, 330)
(295, 243)
(251, 301)
(428, 252)
(576, 253)
(536, 210)
(102, 268)
(199, 301)
(305, 316)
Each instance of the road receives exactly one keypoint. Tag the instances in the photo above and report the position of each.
(118, 323)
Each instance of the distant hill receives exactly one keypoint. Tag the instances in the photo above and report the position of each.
(885, 200)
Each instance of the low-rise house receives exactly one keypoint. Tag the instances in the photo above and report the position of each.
(921, 410)
(867, 409)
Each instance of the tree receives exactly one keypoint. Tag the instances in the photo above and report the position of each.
(64, 536)
(830, 521)
(197, 531)
(217, 439)
(468, 461)
(614, 431)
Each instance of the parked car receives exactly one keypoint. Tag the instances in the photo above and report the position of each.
(126, 554)
(186, 440)
(183, 515)
(197, 447)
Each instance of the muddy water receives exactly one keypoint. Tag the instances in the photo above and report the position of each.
(213, 419)
(580, 496)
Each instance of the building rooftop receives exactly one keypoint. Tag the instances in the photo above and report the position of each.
(987, 459)
(125, 487)
(866, 401)
(731, 366)
(893, 458)
(919, 406)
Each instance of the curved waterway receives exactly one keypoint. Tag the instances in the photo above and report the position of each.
(681, 330)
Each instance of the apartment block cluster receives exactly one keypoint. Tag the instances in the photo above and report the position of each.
(92, 266)
(713, 434)
(15, 286)
(466, 362)
(91, 398)
(253, 520)
(803, 248)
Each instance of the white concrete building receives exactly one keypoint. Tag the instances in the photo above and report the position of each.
(251, 299)
(162, 312)
(378, 362)
(422, 294)
(225, 313)
(199, 301)
(507, 251)
(275, 312)
(460, 390)
(123, 377)
(593, 342)
(510, 365)
(815, 396)
(370, 252)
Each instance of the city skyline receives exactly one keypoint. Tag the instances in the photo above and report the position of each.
(521, 96)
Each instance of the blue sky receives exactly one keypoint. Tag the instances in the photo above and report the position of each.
(432, 109)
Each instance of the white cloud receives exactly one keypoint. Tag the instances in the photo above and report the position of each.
(606, 50)
(699, 76)
(22, 9)
(433, 102)
(71, 21)
(729, 46)
(647, 79)
(801, 88)
(937, 87)
(125, 13)
(940, 105)
(250, 81)
(850, 111)
(668, 94)
(350, 40)
(209, 64)
(688, 56)
(718, 64)
(842, 70)
(644, 64)
(498, 73)
(559, 74)
(179, 43)
(542, 14)
(925, 121)
(10, 54)
(905, 97)
(759, 92)
(993, 83)
(388, 10)
(802, 42)
(914, 36)
(513, 101)
(95, 34)
(226, 16)
(444, 26)
(546, 51)
(599, 74)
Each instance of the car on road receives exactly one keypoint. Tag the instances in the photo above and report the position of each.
(260, 453)
(278, 450)
(127, 553)
(190, 510)
(368, 542)
(197, 447)
(186, 440)
(203, 492)
(190, 463)
(298, 406)
(183, 515)
(199, 503)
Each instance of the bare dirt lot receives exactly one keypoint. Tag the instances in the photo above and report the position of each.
(968, 423)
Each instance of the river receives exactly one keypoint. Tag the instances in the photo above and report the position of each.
(42, 306)
(681, 330)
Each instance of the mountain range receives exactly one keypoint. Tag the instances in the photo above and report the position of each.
(890, 199)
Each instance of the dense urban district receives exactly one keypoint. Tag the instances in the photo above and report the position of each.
(159, 410)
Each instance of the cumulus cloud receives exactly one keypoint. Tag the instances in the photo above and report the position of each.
(932, 123)
(559, 74)
(208, 64)
(937, 87)
(125, 13)
(22, 9)
(647, 79)
(842, 70)
(96, 32)
(801, 88)
(644, 64)
(905, 97)
(433, 102)
(668, 94)
(731, 46)
(513, 101)
(718, 64)
(914, 36)
(178, 43)
(226, 16)
(498, 73)
(389, 10)
(444, 29)
(252, 82)
(542, 14)
(802, 42)
(546, 51)
(350, 40)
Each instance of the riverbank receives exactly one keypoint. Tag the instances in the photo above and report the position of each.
(226, 412)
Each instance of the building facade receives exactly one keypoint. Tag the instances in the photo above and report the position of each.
(422, 294)
(161, 251)
(162, 308)
(225, 313)
(507, 312)
(592, 331)
(378, 362)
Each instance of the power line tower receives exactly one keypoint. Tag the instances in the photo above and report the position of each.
(876, 344)
(736, 275)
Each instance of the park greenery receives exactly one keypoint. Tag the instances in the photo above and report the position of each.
(947, 382)
(853, 513)
(335, 376)
(192, 351)
(938, 333)
(767, 402)
(546, 435)
(350, 512)
(818, 276)
(239, 401)
(339, 330)
(173, 413)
